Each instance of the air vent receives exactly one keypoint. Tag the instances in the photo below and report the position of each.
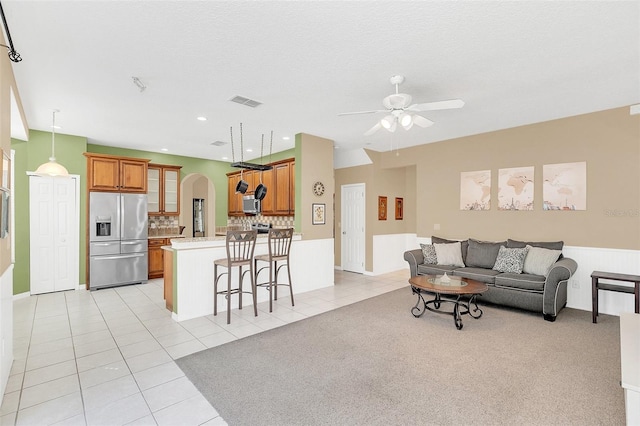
(218, 143)
(245, 101)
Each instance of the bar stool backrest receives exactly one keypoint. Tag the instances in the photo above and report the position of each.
(240, 246)
(280, 243)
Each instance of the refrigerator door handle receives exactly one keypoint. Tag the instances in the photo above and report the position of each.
(129, 242)
(119, 256)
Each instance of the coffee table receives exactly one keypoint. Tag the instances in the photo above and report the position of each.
(450, 285)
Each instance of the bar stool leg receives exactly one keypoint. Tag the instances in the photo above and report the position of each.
(290, 284)
(253, 289)
(594, 300)
(229, 296)
(215, 290)
(271, 286)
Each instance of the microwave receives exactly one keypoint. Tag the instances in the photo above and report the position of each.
(250, 205)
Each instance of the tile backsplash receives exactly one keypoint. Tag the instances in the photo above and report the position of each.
(276, 221)
(163, 225)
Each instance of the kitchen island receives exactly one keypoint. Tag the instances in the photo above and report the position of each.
(188, 278)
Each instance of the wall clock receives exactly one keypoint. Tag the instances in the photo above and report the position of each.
(318, 188)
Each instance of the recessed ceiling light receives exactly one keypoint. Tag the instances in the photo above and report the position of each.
(285, 138)
(201, 118)
(225, 158)
(249, 150)
(164, 149)
(56, 127)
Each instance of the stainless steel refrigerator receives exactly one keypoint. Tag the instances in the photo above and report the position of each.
(117, 239)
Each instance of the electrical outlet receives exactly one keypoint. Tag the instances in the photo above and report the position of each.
(575, 284)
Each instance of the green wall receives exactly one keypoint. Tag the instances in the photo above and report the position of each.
(69, 152)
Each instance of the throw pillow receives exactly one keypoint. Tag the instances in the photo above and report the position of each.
(463, 245)
(482, 254)
(510, 260)
(449, 254)
(539, 260)
(429, 253)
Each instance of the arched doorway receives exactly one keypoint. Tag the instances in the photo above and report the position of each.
(197, 186)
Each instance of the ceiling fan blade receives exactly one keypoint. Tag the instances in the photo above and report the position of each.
(363, 112)
(373, 129)
(433, 106)
(421, 121)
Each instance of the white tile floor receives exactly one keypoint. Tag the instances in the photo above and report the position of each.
(107, 357)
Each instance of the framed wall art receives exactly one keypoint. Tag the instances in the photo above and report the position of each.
(475, 190)
(382, 208)
(564, 186)
(515, 188)
(318, 214)
(399, 208)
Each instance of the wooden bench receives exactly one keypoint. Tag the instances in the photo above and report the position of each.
(597, 285)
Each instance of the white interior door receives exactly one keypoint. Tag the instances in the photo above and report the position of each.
(54, 233)
(353, 227)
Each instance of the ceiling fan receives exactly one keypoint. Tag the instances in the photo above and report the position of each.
(400, 110)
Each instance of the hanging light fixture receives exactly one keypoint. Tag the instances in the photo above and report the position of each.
(52, 167)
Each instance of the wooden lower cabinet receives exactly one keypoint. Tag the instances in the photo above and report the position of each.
(156, 257)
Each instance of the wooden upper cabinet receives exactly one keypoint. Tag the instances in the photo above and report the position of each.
(234, 206)
(267, 205)
(282, 188)
(164, 189)
(116, 174)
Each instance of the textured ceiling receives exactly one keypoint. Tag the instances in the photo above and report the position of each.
(513, 63)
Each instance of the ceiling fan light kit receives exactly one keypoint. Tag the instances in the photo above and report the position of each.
(399, 110)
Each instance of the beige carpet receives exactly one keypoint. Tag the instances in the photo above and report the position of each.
(374, 363)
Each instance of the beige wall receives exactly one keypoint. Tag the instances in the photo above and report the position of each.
(314, 163)
(609, 141)
(396, 182)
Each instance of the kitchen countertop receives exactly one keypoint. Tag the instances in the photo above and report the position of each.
(218, 241)
(166, 236)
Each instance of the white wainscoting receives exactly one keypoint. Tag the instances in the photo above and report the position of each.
(386, 249)
(6, 327)
(311, 269)
(589, 259)
(601, 259)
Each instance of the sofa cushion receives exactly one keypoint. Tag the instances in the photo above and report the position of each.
(552, 245)
(526, 282)
(510, 259)
(463, 245)
(425, 269)
(478, 274)
(539, 260)
(429, 254)
(449, 254)
(481, 254)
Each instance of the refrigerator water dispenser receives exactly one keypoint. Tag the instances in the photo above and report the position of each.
(103, 226)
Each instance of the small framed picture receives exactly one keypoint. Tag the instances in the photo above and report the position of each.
(318, 214)
(398, 208)
(382, 208)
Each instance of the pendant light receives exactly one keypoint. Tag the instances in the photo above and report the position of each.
(53, 168)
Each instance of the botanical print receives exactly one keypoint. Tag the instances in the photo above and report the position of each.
(565, 186)
(475, 190)
(515, 188)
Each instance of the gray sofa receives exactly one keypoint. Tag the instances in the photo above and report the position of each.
(533, 292)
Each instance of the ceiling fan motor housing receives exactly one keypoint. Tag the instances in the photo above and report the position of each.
(397, 101)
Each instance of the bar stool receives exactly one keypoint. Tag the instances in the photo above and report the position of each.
(279, 247)
(240, 247)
